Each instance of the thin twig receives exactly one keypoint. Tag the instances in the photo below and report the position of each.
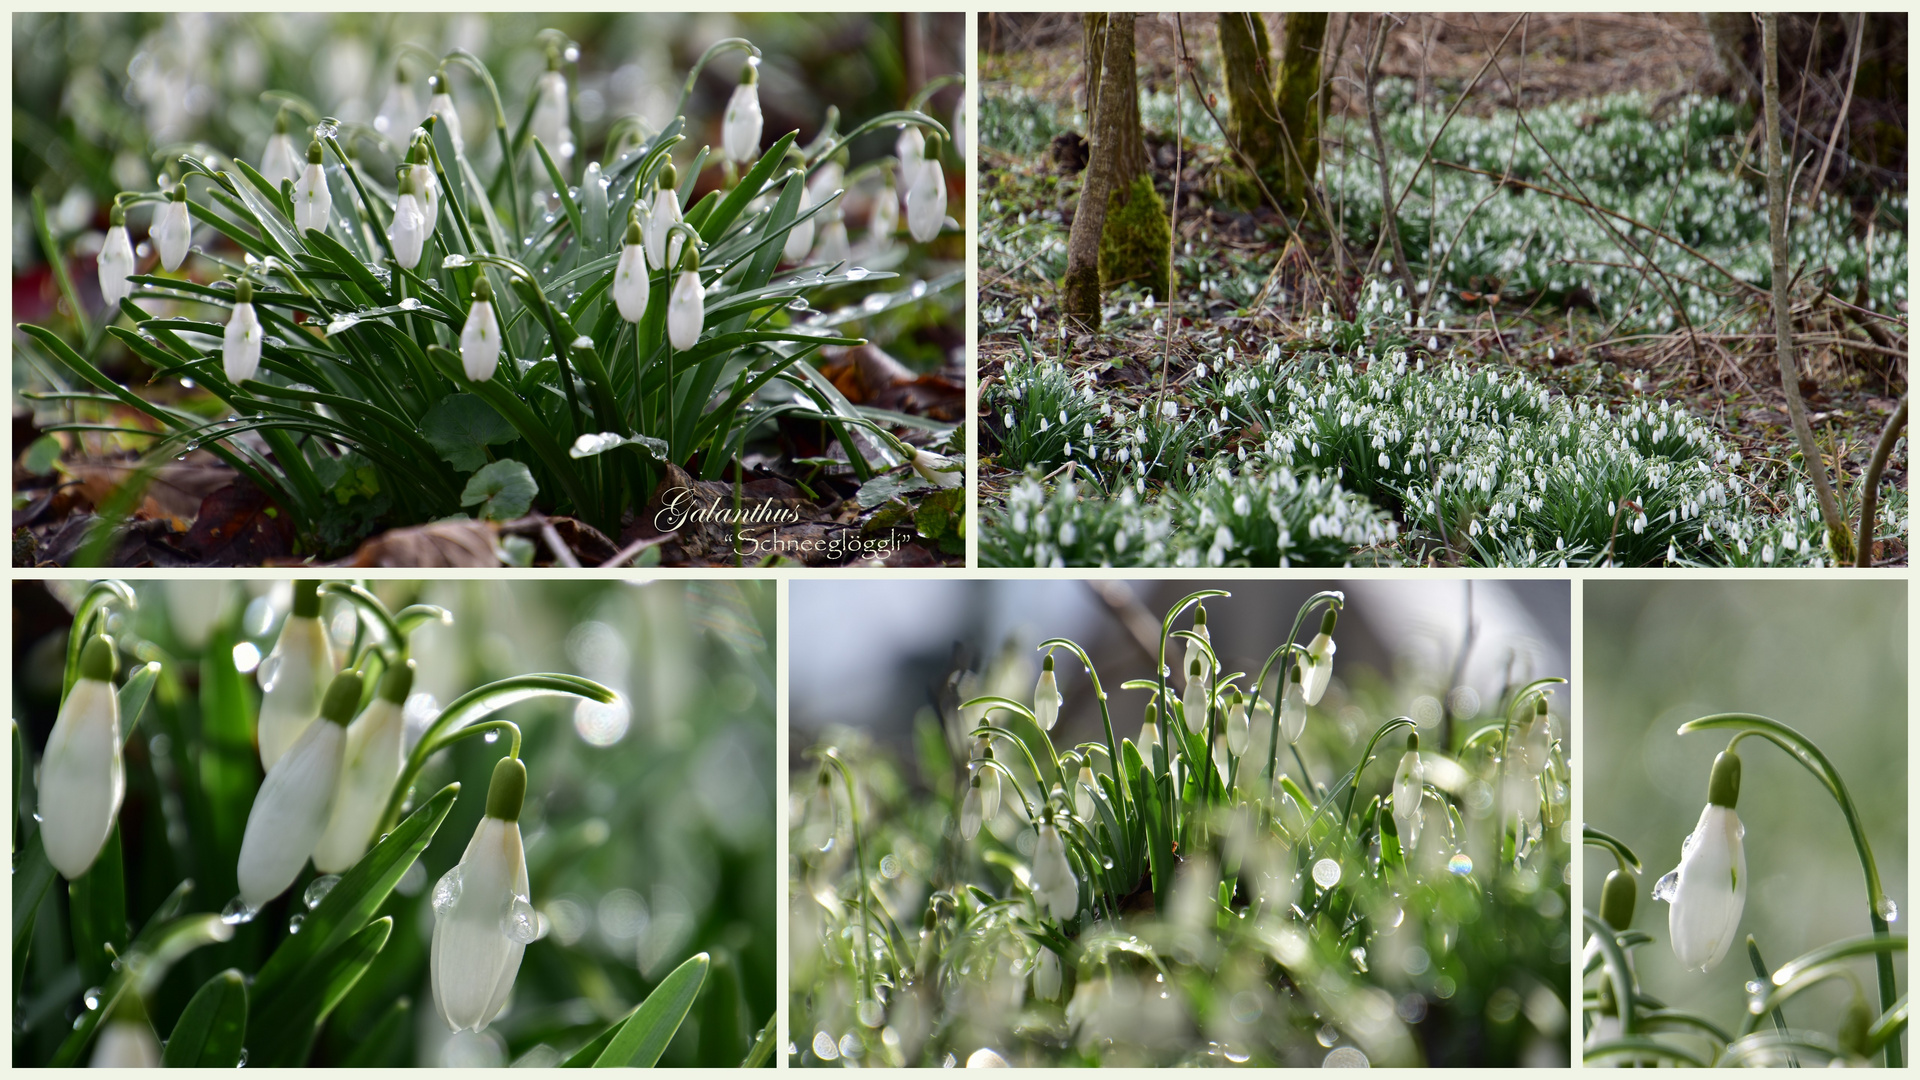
(1888, 436)
(1840, 121)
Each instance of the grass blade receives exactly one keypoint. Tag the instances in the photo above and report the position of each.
(290, 1025)
(638, 1039)
(97, 903)
(213, 1029)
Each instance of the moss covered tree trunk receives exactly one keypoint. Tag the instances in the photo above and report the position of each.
(1275, 121)
(1120, 230)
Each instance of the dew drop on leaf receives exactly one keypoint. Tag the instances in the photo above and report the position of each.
(294, 924)
(1888, 910)
(318, 888)
(91, 998)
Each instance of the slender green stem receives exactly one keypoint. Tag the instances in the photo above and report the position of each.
(370, 606)
(1380, 733)
(1617, 970)
(860, 859)
(1779, 1015)
(1106, 713)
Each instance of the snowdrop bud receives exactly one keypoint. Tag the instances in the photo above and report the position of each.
(1054, 885)
(429, 184)
(1196, 651)
(549, 120)
(240, 352)
(279, 162)
(368, 770)
(312, 199)
(834, 247)
(686, 309)
(1194, 702)
(296, 800)
(630, 283)
(480, 337)
(910, 148)
(116, 261)
(126, 1040)
(1046, 975)
(1239, 729)
(408, 233)
(938, 469)
(740, 132)
(1408, 790)
(662, 216)
(1317, 665)
(1149, 732)
(970, 811)
(1046, 696)
(174, 230)
(483, 915)
(1083, 793)
(400, 111)
(441, 106)
(927, 197)
(82, 775)
(1708, 890)
(293, 675)
(1293, 707)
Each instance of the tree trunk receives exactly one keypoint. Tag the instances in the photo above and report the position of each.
(1839, 537)
(1118, 223)
(1247, 54)
(1093, 27)
(1303, 37)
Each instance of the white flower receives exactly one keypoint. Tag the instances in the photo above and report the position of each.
(1316, 667)
(800, 236)
(1053, 882)
(296, 799)
(910, 148)
(630, 282)
(312, 198)
(1708, 890)
(281, 159)
(480, 337)
(686, 310)
(1408, 790)
(1195, 650)
(971, 812)
(740, 131)
(1083, 790)
(408, 233)
(240, 349)
(1293, 707)
(126, 1043)
(174, 230)
(834, 247)
(1046, 975)
(1046, 697)
(886, 216)
(294, 675)
(400, 111)
(483, 917)
(1193, 703)
(441, 105)
(194, 608)
(1239, 729)
(82, 775)
(116, 264)
(549, 120)
(367, 772)
(927, 201)
(938, 469)
(662, 216)
(422, 174)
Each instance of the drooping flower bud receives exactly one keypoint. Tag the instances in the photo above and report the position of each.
(480, 337)
(173, 232)
(1195, 649)
(483, 913)
(549, 120)
(116, 261)
(970, 809)
(1293, 707)
(927, 196)
(630, 282)
(82, 774)
(662, 216)
(740, 132)
(1084, 787)
(1409, 788)
(280, 161)
(1054, 885)
(312, 198)
(1046, 975)
(421, 169)
(800, 236)
(400, 110)
(938, 469)
(408, 233)
(1708, 890)
(910, 148)
(295, 803)
(1239, 729)
(1316, 667)
(367, 773)
(294, 675)
(240, 349)
(1046, 696)
(440, 105)
(687, 308)
(1194, 702)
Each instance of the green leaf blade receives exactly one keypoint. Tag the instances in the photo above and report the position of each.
(212, 1031)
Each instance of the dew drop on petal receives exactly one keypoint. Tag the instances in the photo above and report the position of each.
(446, 891)
(521, 923)
(237, 912)
(318, 888)
(1461, 864)
(1667, 887)
(270, 671)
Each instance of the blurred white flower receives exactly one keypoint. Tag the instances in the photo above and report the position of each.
(242, 342)
(686, 310)
(294, 675)
(296, 800)
(740, 131)
(82, 774)
(480, 337)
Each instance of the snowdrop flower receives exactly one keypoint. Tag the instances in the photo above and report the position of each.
(441, 106)
(549, 120)
(312, 198)
(408, 233)
(480, 337)
(971, 812)
(1708, 890)
(279, 161)
(1196, 651)
(885, 220)
(834, 247)
(116, 261)
(1054, 885)
(800, 235)
(126, 1039)
(174, 229)
(483, 918)
(910, 148)
(1316, 667)
(1046, 697)
(82, 775)
(422, 172)
(296, 799)
(927, 196)
(293, 675)
(938, 469)
(1083, 793)
(1408, 789)
(630, 282)
(1046, 975)
(662, 216)
(1149, 732)
(400, 110)
(1293, 707)
(1193, 702)
(1239, 729)
(367, 773)
(686, 308)
(740, 131)
(240, 350)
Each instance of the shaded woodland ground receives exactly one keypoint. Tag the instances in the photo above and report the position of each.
(1574, 363)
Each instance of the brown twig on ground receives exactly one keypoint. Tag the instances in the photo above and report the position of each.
(1388, 219)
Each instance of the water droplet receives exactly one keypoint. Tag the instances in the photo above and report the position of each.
(1359, 957)
(318, 888)
(1888, 910)
(1755, 986)
(521, 924)
(1327, 1035)
(342, 325)
(91, 998)
(1326, 873)
(856, 273)
(294, 924)
(572, 54)
(1667, 887)
(1461, 864)
(237, 912)
(491, 736)
(410, 303)
(871, 1013)
(1756, 1006)
(919, 290)
(243, 1059)
(446, 891)
(454, 261)
(270, 670)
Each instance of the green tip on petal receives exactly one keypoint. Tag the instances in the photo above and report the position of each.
(1540, 705)
(507, 790)
(1047, 664)
(117, 215)
(1413, 742)
(280, 123)
(482, 289)
(397, 683)
(306, 596)
(669, 176)
(1293, 673)
(99, 660)
(314, 152)
(749, 74)
(1723, 789)
(343, 697)
(1193, 669)
(634, 237)
(1199, 615)
(1326, 621)
(243, 294)
(1153, 713)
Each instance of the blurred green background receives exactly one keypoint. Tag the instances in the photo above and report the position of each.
(649, 824)
(1827, 658)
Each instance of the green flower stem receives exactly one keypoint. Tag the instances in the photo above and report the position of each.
(1208, 722)
(1819, 966)
(1621, 852)
(483, 727)
(713, 52)
(1012, 780)
(366, 199)
(1380, 733)
(469, 708)
(1106, 714)
(1807, 754)
(1779, 1016)
(1334, 599)
(479, 68)
(1166, 709)
(93, 602)
(1618, 972)
(832, 756)
(369, 606)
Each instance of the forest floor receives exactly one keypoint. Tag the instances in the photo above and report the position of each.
(1530, 291)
